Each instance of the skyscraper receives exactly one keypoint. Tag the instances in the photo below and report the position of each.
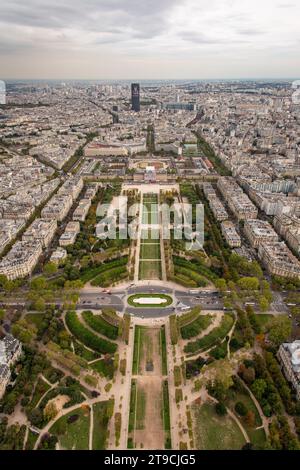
(135, 97)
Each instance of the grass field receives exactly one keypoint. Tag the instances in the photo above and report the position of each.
(102, 414)
(73, 435)
(136, 350)
(150, 236)
(257, 436)
(31, 440)
(104, 367)
(212, 338)
(150, 218)
(163, 352)
(140, 408)
(150, 270)
(35, 318)
(40, 389)
(212, 432)
(133, 300)
(150, 251)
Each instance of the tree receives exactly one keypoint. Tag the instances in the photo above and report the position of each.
(24, 331)
(38, 284)
(248, 375)
(3, 281)
(221, 285)
(263, 303)
(221, 409)
(241, 409)
(50, 411)
(249, 283)
(259, 387)
(280, 331)
(39, 305)
(2, 315)
(50, 269)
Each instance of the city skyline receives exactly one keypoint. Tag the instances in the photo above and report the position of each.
(163, 40)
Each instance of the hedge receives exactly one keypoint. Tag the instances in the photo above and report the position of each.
(88, 338)
(97, 323)
(215, 336)
(196, 327)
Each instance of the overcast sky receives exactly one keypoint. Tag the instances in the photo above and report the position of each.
(103, 39)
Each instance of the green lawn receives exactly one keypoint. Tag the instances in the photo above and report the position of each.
(40, 389)
(212, 338)
(150, 218)
(212, 432)
(150, 236)
(35, 318)
(149, 251)
(163, 351)
(31, 440)
(257, 436)
(150, 270)
(104, 367)
(263, 319)
(140, 408)
(73, 435)
(102, 414)
(136, 297)
(137, 350)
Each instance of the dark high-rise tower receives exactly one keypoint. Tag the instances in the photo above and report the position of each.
(135, 96)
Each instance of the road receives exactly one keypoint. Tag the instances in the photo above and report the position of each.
(117, 300)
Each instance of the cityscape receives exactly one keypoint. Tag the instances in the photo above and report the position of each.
(149, 264)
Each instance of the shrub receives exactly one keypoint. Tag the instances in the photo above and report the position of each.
(241, 409)
(87, 337)
(221, 409)
(97, 323)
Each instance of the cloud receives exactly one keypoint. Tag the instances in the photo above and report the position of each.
(148, 34)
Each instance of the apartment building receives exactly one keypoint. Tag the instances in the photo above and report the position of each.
(10, 351)
(58, 207)
(289, 228)
(259, 231)
(70, 234)
(21, 260)
(279, 260)
(72, 186)
(82, 210)
(58, 256)
(289, 358)
(238, 202)
(42, 230)
(230, 234)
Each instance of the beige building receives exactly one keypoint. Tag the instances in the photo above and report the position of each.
(58, 207)
(21, 260)
(10, 351)
(230, 234)
(42, 230)
(82, 210)
(289, 358)
(70, 234)
(259, 231)
(279, 260)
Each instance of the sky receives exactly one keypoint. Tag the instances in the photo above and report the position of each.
(149, 39)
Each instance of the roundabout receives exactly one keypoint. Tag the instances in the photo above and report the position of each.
(150, 300)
